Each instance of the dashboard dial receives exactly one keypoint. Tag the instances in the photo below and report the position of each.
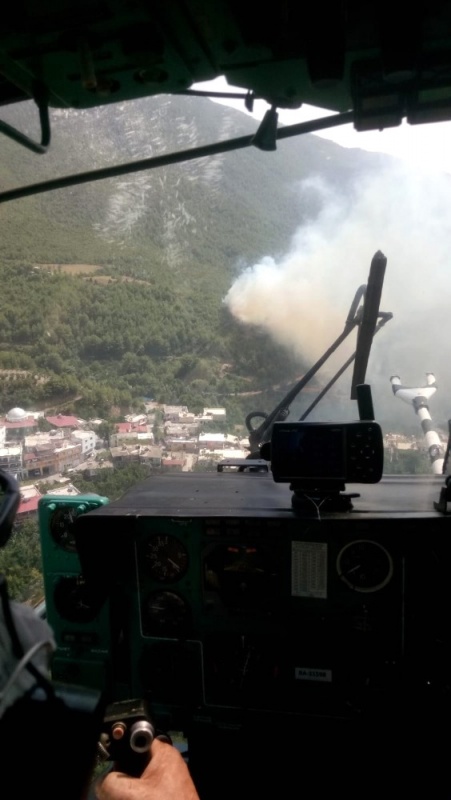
(164, 614)
(73, 600)
(61, 528)
(364, 565)
(166, 558)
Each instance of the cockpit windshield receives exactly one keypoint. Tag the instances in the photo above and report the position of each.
(146, 317)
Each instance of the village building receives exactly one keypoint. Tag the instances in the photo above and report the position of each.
(63, 421)
(174, 413)
(188, 418)
(136, 419)
(220, 455)
(29, 503)
(173, 463)
(152, 455)
(67, 490)
(130, 431)
(188, 444)
(179, 429)
(50, 438)
(51, 457)
(18, 424)
(136, 454)
(217, 441)
(88, 441)
(214, 414)
(11, 458)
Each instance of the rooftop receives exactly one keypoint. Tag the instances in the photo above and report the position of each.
(18, 422)
(62, 421)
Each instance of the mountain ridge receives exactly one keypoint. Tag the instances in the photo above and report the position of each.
(188, 230)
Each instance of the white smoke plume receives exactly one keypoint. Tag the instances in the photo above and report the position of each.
(303, 299)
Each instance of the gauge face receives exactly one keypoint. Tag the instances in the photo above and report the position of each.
(364, 565)
(164, 614)
(73, 600)
(61, 528)
(166, 558)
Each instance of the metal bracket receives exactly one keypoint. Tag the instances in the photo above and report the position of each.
(40, 97)
(445, 497)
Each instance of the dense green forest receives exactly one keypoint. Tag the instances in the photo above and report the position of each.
(104, 345)
(21, 563)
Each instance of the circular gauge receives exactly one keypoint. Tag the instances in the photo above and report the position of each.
(364, 565)
(73, 600)
(166, 558)
(61, 528)
(164, 614)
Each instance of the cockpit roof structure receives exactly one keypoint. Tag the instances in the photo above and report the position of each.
(383, 64)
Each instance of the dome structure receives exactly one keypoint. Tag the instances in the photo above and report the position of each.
(16, 415)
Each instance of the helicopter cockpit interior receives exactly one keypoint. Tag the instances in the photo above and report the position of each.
(287, 614)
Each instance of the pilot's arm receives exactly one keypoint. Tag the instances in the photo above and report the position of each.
(166, 777)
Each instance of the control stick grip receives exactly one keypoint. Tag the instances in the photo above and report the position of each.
(127, 736)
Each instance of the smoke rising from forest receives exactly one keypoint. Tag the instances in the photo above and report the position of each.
(303, 299)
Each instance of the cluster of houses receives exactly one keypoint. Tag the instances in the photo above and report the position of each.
(30, 453)
(72, 445)
(165, 436)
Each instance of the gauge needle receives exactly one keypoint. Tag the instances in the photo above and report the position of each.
(353, 569)
(174, 564)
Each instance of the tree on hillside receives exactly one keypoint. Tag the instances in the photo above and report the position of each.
(104, 431)
(43, 425)
(21, 563)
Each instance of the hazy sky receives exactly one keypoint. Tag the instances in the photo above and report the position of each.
(426, 146)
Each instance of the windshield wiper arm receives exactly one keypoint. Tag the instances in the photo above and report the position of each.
(385, 316)
(366, 316)
(263, 433)
(367, 327)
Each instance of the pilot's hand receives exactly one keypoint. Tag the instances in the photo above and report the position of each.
(166, 777)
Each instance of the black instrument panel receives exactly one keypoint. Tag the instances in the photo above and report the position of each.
(229, 611)
(252, 589)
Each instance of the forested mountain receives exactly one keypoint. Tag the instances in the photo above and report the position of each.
(114, 290)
